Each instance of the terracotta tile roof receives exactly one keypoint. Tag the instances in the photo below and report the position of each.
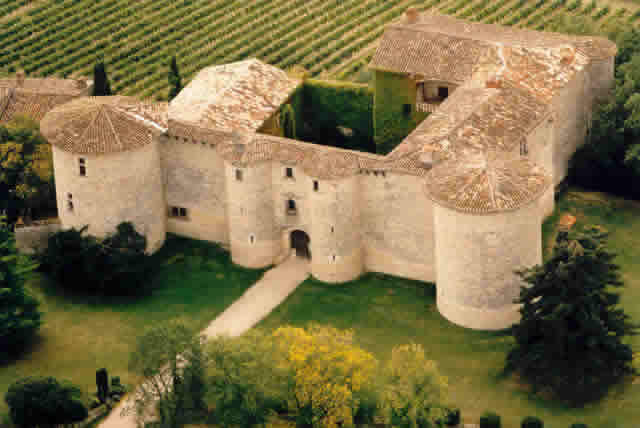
(434, 55)
(104, 124)
(484, 182)
(49, 85)
(238, 96)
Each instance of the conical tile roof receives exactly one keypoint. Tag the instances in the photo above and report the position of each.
(103, 124)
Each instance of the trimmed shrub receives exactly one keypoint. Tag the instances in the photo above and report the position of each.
(532, 422)
(579, 425)
(490, 420)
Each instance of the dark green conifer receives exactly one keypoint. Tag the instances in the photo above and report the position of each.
(101, 86)
(175, 81)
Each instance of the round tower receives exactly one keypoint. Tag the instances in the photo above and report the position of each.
(106, 165)
(487, 223)
(253, 237)
(336, 245)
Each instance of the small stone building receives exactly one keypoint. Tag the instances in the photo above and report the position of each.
(458, 202)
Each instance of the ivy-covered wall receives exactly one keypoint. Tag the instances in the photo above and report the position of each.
(328, 105)
(395, 114)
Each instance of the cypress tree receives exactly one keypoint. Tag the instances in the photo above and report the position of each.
(569, 340)
(101, 86)
(175, 81)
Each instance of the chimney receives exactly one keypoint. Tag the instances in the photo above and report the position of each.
(20, 75)
(411, 15)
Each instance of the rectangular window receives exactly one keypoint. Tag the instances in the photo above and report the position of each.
(289, 172)
(179, 212)
(238, 174)
(69, 202)
(443, 92)
(406, 109)
(83, 167)
(316, 186)
(291, 207)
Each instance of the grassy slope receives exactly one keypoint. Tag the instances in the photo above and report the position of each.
(195, 283)
(387, 311)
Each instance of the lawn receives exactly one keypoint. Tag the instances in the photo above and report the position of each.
(195, 282)
(386, 311)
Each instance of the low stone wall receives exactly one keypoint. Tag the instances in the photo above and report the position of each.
(33, 237)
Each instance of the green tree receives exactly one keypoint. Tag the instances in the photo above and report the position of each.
(245, 383)
(170, 359)
(570, 337)
(26, 173)
(44, 403)
(19, 315)
(101, 86)
(116, 265)
(175, 81)
(414, 391)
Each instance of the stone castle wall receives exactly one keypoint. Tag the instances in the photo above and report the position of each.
(397, 226)
(194, 179)
(118, 187)
(475, 259)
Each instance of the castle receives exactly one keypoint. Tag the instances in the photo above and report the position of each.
(459, 202)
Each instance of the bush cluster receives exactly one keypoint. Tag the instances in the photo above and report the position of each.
(116, 265)
(490, 420)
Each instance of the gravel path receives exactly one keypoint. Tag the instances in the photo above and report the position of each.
(255, 304)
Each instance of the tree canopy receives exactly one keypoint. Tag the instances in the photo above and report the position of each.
(26, 170)
(570, 339)
(44, 403)
(20, 318)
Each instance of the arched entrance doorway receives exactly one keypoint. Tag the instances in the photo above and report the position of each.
(300, 243)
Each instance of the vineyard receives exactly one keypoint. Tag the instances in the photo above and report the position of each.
(327, 37)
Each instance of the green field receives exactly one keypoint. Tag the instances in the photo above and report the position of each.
(195, 282)
(328, 37)
(386, 311)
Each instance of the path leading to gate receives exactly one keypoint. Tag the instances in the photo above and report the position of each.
(255, 304)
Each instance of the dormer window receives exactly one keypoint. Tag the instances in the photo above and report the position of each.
(82, 165)
(288, 172)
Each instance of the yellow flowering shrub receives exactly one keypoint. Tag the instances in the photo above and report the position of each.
(328, 368)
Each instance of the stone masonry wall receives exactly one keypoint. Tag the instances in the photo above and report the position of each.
(475, 261)
(30, 239)
(118, 187)
(397, 226)
(250, 209)
(194, 179)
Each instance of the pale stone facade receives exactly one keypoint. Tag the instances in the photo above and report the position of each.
(459, 202)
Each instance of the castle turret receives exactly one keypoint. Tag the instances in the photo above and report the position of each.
(336, 244)
(252, 232)
(487, 225)
(107, 165)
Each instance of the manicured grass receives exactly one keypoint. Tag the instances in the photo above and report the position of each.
(386, 311)
(195, 282)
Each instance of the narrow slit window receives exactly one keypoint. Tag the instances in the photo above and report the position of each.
(252, 238)
(238, 174)
(183, 212)
(291, 207)
(82, 166)
(289, 172)
(524, 149)
(316, 186)
(69, 202)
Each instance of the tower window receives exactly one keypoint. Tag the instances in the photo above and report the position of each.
(83, 167)
(316, 186)
(289, 172)
(69, 202)
(291, 207)
(252, 238)
(238, 174)
(179, 212)
(443, 92)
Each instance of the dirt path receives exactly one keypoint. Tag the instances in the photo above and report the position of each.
(255, 304)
